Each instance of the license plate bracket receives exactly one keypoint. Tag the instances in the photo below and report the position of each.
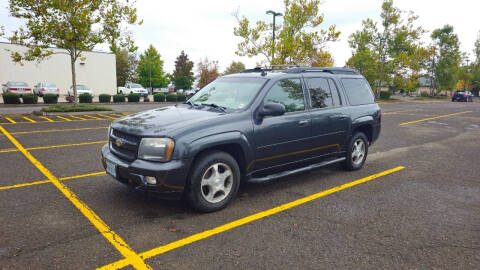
(111, 168)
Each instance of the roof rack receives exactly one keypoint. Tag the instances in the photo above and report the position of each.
(332, 70)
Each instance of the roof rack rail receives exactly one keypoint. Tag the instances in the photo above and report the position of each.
(332, 70)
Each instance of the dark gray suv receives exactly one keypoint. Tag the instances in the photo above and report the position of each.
(253, 126)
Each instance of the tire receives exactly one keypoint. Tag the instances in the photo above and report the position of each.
(353, 161)
(205, 198)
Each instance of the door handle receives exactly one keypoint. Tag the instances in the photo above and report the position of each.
(303, 123)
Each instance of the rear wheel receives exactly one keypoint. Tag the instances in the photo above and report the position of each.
(213, 182)
(357, 152)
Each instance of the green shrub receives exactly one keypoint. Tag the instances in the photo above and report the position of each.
(85, 98)
(132, 97)
(50, 98)
(104, 98)
(181, 97)
(424, 94)
(159, 97)
(385, 94)
(118, 98)
(11, 98)
(30, 99)
(171, 97)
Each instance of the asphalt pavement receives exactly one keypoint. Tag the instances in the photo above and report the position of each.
(415, 204)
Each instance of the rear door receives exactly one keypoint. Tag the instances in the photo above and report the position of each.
(330, 121)
(283, 139)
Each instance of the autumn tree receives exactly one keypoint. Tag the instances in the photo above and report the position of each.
(448, 55)
(207, 72)
(150, 69)
(235, 67)
(127, 64)
(476, 66)
(299, 40)
(390, 52)
(74, 26)
(183, 77)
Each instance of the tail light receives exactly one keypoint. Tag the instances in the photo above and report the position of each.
(43, 89)
(13, 89)
(58, 89)
(28, 89)
(465, 95)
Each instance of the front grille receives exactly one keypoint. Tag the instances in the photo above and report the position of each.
(123, 145)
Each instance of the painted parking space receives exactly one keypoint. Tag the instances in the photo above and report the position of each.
(168, 234)
(33, 119)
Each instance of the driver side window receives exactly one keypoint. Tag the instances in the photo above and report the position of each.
(288, 92)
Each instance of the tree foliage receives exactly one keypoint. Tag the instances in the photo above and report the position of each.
(75, 26)
(127, 64)
(235, 67)
(447, 50)
(183, 77)
(207, 72)
(390, 51)
(150, 69)
(298, 40)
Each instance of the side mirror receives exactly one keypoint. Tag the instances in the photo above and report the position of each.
(272, 109)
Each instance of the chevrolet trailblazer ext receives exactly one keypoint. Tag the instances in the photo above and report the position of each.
(253, 126)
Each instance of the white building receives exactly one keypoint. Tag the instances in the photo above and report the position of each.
(97, 71)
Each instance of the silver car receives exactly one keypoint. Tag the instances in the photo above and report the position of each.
(45, 88)
(81, 89)
(17, 87)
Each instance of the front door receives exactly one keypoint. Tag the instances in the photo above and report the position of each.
(283, 139)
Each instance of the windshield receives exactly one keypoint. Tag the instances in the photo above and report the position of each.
(135, 85)
(81, 87)
(232, 93)
(18, 84)
(48, 84)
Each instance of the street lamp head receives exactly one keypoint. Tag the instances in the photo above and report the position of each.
(270, 12)
(275, 14)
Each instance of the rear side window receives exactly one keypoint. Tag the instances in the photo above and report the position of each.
(319, 93)
(358, 91)
(288, 92)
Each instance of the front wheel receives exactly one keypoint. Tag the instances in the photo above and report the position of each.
(357, 152)
(213, 182)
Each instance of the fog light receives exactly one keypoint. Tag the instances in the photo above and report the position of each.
(151, 180)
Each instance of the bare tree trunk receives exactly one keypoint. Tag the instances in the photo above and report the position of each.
(74, 78)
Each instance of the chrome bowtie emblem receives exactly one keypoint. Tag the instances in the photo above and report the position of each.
(118, 143)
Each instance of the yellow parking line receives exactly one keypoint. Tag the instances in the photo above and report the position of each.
(432, 118)
(96, 221)
(52, 146)
(29, 119)
(10, 120)
(48, 181)
(107, 116)
(92, 117)
(46, 118)
(126, 113)
(79, 118)
(64, 118)
(242, 221)
(55, 130)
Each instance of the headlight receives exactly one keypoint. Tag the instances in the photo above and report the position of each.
(109, 132)
(156, 149)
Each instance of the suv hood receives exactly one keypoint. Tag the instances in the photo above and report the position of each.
(159, 122)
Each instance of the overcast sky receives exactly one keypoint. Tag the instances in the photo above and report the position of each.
(205, 28)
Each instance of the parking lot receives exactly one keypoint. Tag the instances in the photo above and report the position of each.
(415, 204)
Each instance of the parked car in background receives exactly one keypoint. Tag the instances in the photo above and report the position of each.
(17, 87)
(189, 92)
(46, 88)
(81, 89)
(134, 88)
(253, 126)
(160, 90)
(461, 95)
(179, 91)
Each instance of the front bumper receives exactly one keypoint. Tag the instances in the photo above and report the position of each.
(171, 176)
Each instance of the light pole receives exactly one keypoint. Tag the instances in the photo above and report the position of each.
(150, 70)
(382, 59)
(274, 14)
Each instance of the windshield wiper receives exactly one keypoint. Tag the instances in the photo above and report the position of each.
(190, 103)
(213, 105)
